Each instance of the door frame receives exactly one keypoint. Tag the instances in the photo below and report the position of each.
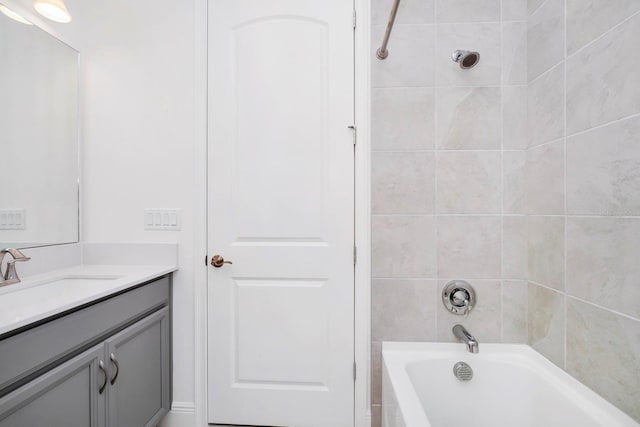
(362, 218)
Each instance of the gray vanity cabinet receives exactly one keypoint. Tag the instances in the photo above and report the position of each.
(66, 396)
(104, 365)
(139, 373)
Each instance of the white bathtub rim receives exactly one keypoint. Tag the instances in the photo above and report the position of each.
(408, 402)
(396, 356)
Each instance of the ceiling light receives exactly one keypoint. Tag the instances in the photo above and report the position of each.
(53, 9)
(11, 14)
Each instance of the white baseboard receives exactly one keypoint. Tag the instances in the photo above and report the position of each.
(182, 414)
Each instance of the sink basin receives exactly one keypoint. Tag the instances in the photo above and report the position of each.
(41, 295)
(73, 280)
(64, 283)
(75, 277)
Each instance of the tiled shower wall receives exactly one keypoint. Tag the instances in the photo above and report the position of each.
(448, 184)
(583, 191)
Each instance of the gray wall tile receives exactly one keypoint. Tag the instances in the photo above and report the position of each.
(514, 117)
(533, 5)
(514, 182)
(546, 250)
(403, 310)
(514, 53)
(602, 262)
(545, 179)
(469, 247)
(469, 182)
(589, 19)
(409, 12)
(467, 10)
(410, 44)
(545, 38)
(603, 170)
(376, 373)
(514, 247)
(546, 322)
(376, 416)
(603, 80)
(469, 118)
(514, 10)
(403, 119)
(514, 311)
(403, 182)
(545, 107)
(603, 352)
(402, 246)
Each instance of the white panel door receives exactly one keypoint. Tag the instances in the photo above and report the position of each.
(280, 318)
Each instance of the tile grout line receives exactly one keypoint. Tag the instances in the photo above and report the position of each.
(591, 303)
(529, 215)
(435, 22)
(565, 185)
(422, 86)
(567, 56)
(436, 147)
(466, 150)
(537, 9)
(497, 215)
(526, 191)
(502, 81)
(544, 73)
(544, 144)
(603, 308)
(602, 125)
(601, 36)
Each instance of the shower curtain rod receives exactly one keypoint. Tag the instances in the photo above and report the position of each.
(382, 52)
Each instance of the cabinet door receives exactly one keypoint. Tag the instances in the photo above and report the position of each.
(66, 396)
(140, 373)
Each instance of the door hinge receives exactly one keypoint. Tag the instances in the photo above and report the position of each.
(355, 255)
(354, 371)
(354, 19)
(355, 133)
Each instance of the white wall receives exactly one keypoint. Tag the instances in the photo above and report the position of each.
(138, 135)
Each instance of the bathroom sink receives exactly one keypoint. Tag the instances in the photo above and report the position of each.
(61, 284)
(74, 278)
(77, 280)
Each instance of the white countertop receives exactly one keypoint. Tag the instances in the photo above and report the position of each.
(45, 295)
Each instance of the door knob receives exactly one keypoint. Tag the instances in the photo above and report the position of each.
(217, 261)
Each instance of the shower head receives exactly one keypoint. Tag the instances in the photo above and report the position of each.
(466, 59)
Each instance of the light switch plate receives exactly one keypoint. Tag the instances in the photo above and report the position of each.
(12, 219)
(162, 219)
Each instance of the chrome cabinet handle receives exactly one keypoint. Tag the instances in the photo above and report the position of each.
(112, 357)
(104, 371)
(217, 261)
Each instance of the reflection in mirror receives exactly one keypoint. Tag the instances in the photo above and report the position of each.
(38, 136)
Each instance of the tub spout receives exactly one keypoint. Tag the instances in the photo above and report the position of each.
(463, 335)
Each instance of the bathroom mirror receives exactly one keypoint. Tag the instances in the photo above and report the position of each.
(39, 195)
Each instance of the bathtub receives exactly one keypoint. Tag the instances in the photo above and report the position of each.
(512, 385)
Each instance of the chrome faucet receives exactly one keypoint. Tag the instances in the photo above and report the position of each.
(463, 335)
(10, 275)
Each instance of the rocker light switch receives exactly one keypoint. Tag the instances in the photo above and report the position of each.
(162, 219)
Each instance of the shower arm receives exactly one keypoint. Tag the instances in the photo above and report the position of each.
(382, 52)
